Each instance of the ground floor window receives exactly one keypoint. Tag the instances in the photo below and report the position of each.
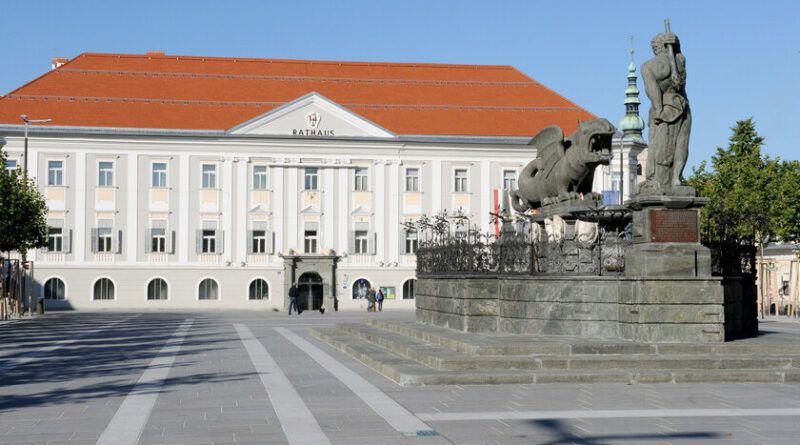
(157, 289)
(259, 290)
(361, 288)
(208, 290)
(103, 289)
(54, 289)
(410, 289)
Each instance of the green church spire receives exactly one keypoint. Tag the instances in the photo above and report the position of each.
(632, 124)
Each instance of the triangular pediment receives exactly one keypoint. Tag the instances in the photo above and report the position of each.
(259, 208)
(360, 210)
(312, 115)
(312, 208)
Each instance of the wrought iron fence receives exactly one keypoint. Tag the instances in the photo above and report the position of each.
(520, 249)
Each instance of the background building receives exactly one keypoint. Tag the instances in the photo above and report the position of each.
(202, 182)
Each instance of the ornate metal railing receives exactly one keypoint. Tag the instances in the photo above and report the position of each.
(520, 249)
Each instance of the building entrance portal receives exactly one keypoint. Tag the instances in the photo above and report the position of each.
(310, 287)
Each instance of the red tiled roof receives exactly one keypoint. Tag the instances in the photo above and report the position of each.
(213, 93)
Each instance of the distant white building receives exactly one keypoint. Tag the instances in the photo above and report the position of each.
(200, 182)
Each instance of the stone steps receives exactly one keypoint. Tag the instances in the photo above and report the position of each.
(413, 354)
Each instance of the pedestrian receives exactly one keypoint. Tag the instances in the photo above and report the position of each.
(371, 297)
(293, 293)
(379, 297)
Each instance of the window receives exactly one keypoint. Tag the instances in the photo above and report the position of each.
(55, 239)
(638, 169)
(311, 178)
(103, 289)
(259, 177)
(11, 164)
(412, 242)
(460, 177)
(55, 172)
(509, 180)
(410, 289)
(310, 241)
(362, 178)
(259, 290)
(209, 176)
(361, 242)
(209, 241)
(105, 174)
(159, 174)
(158, 240)
(259, 241)
(412, 179)
(54, 289)
(157, 289)
(104, 239)
(208, 290)
(616, 179)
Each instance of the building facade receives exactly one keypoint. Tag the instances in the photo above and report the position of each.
(190, 182)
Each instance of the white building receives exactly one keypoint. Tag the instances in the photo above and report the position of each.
(198, 182)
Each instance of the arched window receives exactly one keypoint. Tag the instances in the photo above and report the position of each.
(410, 289)
(54, 289)
(208, 290)
(103, 289)
(361, 288)
(157, 289)
(259, 290)
(638, 169)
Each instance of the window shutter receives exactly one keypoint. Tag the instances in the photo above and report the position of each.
(148, 240)
(172, 243)
(352, 243)
(372, 240)
(270, 243)
(68, 241)
(220, 235)
(250, 241)
(119, 241)
(199, 242)
(94, 240)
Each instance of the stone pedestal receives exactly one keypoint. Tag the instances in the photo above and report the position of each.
(672, 296)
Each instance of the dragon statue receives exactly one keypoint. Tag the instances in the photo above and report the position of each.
(563, 168)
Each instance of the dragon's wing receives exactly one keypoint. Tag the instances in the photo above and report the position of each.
(549, 143)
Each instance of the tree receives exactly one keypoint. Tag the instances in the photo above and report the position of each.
(23, 212)
(752, 196)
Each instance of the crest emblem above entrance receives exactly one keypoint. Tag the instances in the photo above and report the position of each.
(313, 119)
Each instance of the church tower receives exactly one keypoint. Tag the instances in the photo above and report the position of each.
(632, 124)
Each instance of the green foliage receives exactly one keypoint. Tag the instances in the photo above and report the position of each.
(752, 196)
(23, 212)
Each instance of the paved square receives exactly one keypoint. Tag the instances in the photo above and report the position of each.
(249, 377)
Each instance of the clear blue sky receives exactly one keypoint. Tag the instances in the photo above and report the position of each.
(743, 57)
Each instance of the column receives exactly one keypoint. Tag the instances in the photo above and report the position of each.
(227, 195)
(79, 234)
(186, 238)
(132, 235)
(487, 196)
(379, 209)
(394, 211)
(278, 210)
(328, 215)
(242, 179)
(436, 186)
(294, 233)
(343, 211)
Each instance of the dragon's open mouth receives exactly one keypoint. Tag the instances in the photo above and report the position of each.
(600, 144)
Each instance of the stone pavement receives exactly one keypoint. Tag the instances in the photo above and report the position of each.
(252, 377)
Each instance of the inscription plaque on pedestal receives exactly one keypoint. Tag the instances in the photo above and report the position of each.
(674, 226)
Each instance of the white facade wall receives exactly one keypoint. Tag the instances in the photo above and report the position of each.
(183, 208)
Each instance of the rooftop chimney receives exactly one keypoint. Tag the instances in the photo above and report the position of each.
(56, 62)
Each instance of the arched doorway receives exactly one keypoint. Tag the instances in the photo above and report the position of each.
(361, 289)
(310, 287)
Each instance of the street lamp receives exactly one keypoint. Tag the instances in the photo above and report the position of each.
(27, 121)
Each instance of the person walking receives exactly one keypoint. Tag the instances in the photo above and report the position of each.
(293, 294)
(379, 298)
(371, 298)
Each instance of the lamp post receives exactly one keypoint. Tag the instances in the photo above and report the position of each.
(28, 121)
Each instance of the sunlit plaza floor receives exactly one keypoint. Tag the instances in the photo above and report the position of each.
(258, 377)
